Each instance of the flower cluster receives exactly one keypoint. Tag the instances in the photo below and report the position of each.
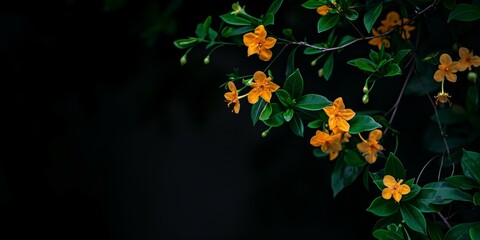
(330, 141)
(448, 68)
(391, 22)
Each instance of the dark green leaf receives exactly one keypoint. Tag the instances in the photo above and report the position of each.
(312, 102)
(328, 67)
(393, 69)
(351, 14)
(476, 198)
(400, 55)
(327, 22)
(291, 62)
(296, 125)
(235, 20)
(475, 231)
(351, 158)
(371, 16)
(284, 98)
(346, 39)
(313, 4)
(471, 165)
(239, 31)
(273, 9)
(424, 205)
(394, 167)
(288, 33)
(383, 121)
(382, 207)
(319, 48)
(414, 191)
(268, 19)
(442, 193)
(361, 123)
(460, 231)
(185, 43)
(413, 218)
(363, 64)
(435, 230)
(288, 114)
(276, 117)
(343, 175)
(464, 12)
(256, 110)
(316, 124)
(462, 182)
(265, 114)
(318, 153)
(294, 84)
(383, 234)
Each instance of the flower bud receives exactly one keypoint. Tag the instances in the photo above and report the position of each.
(365, 89)
(265, 133)
(183, 60)
(365, 99)
(313, 63)
(320, 72)
(472, 77)
(206, 60)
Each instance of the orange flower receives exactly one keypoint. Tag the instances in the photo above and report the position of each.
(262, 87)
(328, 143)
(392, 20)
(406, 29)
(467, 60)
(338, 115)
(394, 188)
(371, 147)
(345, 135)
(379, 41)
(443, 97)
(446, 69)
(323, 10)
(232, 97)
(258, 43)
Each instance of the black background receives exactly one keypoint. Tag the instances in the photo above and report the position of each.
(109, 137)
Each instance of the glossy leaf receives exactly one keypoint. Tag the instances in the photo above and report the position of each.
(471, 165)
(364, 64)
(464, 12)
(343, 175)
(371, 16)
(265, 114)
(235, 20)
(328, 67)
(360, 123)
(462, 182)
(413, 218)
(353, 159)
(256, 110)
(442, 193)
(284, 98)
(382, 207)
(294, 84)
(394, 167)
(460, 231)
(327, 22)
(296, 125)
(312, 102)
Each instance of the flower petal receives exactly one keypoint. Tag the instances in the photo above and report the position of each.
(265, 54)
(269, 42)
(338, 103)
(342, 124)
(249, 39)
(389, 181)
(452, 77)
(387, 193)
(348, 114)
(463, 52)
(397, 196)
(439, 75)
(404, 189)
(266, 95)
(253, 96)
(330, 111)
(375, 135)
(260, 32)
(445, 59)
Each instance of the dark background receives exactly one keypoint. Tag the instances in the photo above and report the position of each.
(107, 136)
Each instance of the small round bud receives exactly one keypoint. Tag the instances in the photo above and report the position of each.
(365, 99)
(183, 60)
(313, 63)
(472, 77)
(365, 89)
(320, 72)
(265, 133)
(206, 60)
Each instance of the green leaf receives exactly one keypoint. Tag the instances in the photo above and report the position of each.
(276, 117)
(442, 193)
(424, 205)
(235, 20)
(311, 50)
(327, 22)
(473, 94)
(351, 158)
(290, 62)
(475, 231)
(284, 98)
(371, 16)
(294, 84)
(296, 125)
(266, 112)
(233, 31)
(393, 69)
(274, 7)
(328, 67)
(364, 64)
(471, 165)
(288, 114)
(256, 110)
(382, 207)
(351, 14)
(346, 39)
(394, 167)
(316, 123)
(268, 19)
(384, 234)
(212, 35)
(413, 218)
(343, 175)
(319, 153)
(206, 25)
(464, 12)
(414, 191)
(185, 43)
(313, 4)
(400, 55)
(312, 102)
(462, 182)
(476, 198)
(460, 231)
(435, 230)
(360, 123)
